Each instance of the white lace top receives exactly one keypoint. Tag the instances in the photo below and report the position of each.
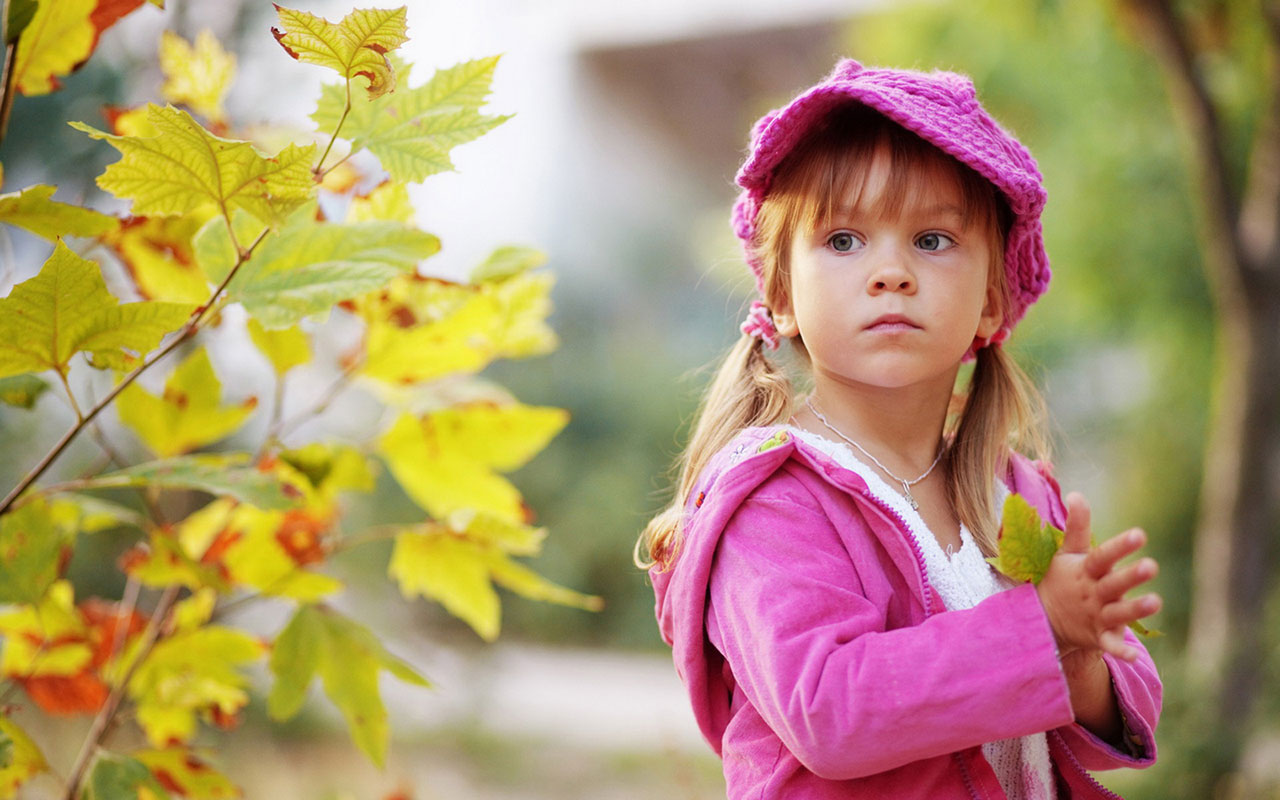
(963, 579)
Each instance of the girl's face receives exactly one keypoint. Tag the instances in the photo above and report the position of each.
(891, 299)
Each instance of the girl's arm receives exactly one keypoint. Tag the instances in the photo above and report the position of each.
(789, 610)
(1134, 690)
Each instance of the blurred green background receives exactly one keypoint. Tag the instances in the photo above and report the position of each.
(629, 191)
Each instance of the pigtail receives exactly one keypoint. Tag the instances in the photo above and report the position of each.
(1003, 410)
(748, 390)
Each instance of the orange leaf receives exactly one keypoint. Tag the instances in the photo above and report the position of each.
(78, 694)
(109, 12)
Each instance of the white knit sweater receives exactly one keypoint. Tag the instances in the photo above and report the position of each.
(963, 579)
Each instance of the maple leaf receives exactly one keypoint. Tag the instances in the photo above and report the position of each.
(49, 637)
(58, 38)
(355, 46)
(66, 308)
(198, 76)
(216, 473)
(307, 267)
(347, 657)
(22, 391)
(188, 415)
(33, 550)
(285, 348)
(181, 771)
(157, 253)
(116, 777)
(34, 209)
(388, 201)
(21, 13)
(25, 759)
(196, 669)
(411, 131)
(184, 167)
(448, 460)
(265, 554)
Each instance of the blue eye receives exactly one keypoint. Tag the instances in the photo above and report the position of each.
(934, 242)
(843, 242)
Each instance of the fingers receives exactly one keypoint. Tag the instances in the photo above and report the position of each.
(1103, 557)
(1076, 535)
(1114, 585)
(1112, 641)
(1122, 612)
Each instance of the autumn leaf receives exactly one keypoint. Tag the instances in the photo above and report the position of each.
(188, 415)
(388, 201)
(59, 37)
(285, 348)
(198, 76)
(268, 552)
(34, 209)
(116, 777)
(49, 637)
(157, 253)
(185, 167)
(355, 46)
(181, 771)
(411, 131)
(347, 657)
(21, 13)
(22, 391)
(507, 262)
(25, 759)
(216, 473)
(195, 670)
(449, 459)
(33, 551)
(66, 308)
(307, 268)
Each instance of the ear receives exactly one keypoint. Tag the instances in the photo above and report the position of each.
(992, 314)
(784, 318)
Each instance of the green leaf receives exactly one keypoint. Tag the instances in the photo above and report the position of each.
(20, 14)
(22, 391)
(117, 777)
(34, 210)
(189, 414)
(347, 657)
(355, 46)
(506, 262)
(66, 308)
(1026, 544)
(32, 552)
(411, 131)
(309, 267)
(184, 168)
(218, 474)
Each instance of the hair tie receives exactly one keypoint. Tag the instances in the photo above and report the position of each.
(759, 323)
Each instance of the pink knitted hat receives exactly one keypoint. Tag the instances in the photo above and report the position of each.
(940, 107)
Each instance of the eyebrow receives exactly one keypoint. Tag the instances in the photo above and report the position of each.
(938, 210)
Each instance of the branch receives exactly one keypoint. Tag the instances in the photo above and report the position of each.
(1260, 208)
(283, 428)
(6, 100)
(1192, 100)
(186, 332)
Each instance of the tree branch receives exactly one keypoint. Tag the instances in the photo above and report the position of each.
(1260, 208)
(186, 332)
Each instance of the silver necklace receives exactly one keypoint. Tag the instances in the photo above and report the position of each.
(906, 484)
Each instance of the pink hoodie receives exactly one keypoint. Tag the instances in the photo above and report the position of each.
(821, 663)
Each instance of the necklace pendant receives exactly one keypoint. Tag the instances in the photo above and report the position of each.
(907, 491)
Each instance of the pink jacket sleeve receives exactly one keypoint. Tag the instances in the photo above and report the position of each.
(1138, 693)
(808, 648)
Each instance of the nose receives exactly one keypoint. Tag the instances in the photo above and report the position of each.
(890, 275)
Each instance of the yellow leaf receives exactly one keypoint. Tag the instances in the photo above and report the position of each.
(518, 578)
(66, 308)
(257, 557)
(196, 670)
(47, 638)
(184, 168)
(285, 348)
(188, 415)
(198, 76)
(389, 201)
(328, 469)
(25, 759)
(192, 774)
(34, 210)
(448, 460)
(453, 572)
(355, 46)
(157, 253)
(134, 122)
(59, 37)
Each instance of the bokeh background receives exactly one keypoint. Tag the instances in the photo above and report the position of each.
(630, 122)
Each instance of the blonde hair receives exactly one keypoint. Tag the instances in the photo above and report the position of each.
(1000, 408)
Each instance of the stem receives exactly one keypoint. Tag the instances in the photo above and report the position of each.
(6, 100)
(70, 396)
(108, 710)
(345, 111)
(185, 333)
(284, 428)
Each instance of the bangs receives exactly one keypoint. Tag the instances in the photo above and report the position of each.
(826, 175)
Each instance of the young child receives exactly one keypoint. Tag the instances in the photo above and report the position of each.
(820, 574)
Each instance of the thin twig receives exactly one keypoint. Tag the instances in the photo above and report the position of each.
(185, 333)
(108, 710)
(345, 111)
(6, 101)
(284, 428)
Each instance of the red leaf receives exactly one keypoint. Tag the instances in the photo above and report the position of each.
(58, 694)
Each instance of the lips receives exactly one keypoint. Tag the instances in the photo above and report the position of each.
(892, 322)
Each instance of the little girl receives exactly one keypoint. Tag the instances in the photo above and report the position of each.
(820, 574)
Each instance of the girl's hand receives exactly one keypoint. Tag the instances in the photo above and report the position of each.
(1083, 591)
